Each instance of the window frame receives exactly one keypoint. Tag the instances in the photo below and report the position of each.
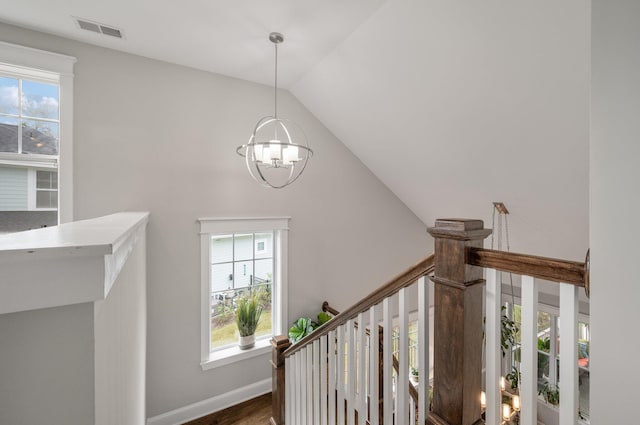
(39, 65)
(219, 226)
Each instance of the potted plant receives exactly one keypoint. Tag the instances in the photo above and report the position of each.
(513, 378)
(415, 375)
(248, 313)
(551, 394)
(304, 326)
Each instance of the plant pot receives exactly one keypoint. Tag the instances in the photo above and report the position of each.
(247, 342)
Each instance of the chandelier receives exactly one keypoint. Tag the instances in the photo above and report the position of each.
(278, 150)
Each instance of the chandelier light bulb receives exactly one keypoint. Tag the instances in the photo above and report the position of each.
(506, 411)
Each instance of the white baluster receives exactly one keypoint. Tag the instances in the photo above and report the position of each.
(340, 379)
(288, 398)
(374, 366)
(568, 354)
(423, 349)
(493, 354)
(529, 352)
(332, 368)
(304, 402)
(316, 395)
(351, 371)
(323, 380)
(299, 383)
(387, 355)
(402, 390)
(412, 411)
(361, 405)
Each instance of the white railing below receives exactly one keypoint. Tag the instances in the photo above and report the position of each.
(337, 379)
(529, 352)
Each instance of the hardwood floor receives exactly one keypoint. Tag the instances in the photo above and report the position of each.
(256, 411)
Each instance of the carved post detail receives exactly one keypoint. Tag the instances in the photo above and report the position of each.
(457, 323)
(278, 344)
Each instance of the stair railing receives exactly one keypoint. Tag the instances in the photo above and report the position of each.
(333, 376)
(570, 276)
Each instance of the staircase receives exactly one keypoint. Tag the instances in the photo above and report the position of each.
(355, 369)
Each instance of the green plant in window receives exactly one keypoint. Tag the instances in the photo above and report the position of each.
(509, 329)
(508, 334)
(248, 311)
(551, 393)
(514, 378)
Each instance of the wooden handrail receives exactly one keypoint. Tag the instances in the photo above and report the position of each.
(328, 309)
(404, 279)
(572, 272)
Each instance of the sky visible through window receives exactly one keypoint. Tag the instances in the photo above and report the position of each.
(33, 106)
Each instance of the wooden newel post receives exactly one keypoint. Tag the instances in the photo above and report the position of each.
(278, 344)
(457, 323)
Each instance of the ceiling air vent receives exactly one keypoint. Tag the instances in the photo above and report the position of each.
(97, 27)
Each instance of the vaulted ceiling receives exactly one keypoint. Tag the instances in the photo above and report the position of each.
(451, 104)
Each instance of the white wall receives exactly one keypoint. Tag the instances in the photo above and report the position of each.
(615, 203)
(154, 136)
(120, 334)
(457, 104)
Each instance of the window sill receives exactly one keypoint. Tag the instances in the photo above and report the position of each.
(235, 354)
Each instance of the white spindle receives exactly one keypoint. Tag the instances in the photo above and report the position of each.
(493, 354)
(361, 404)
(423, 349)
(412, 411)
(568, 354)
(288, 398)
(332, 377)
(374, 365)
(387, 355)
(299, 383)
(304, 377)
(316, 395)
(402, 390)
(340, 381)
(351, 372)
(323, 380)
(553, 349)
(529, 352)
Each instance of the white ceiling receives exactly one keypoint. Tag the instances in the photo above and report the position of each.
(451, 104)
(221, 36)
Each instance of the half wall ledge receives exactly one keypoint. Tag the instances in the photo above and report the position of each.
(67, 264)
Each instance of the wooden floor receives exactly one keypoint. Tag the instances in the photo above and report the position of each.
(252, 412)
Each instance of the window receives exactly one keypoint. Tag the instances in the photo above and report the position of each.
(549, 353)
(36, 108)
(46, 190)
(241, 257)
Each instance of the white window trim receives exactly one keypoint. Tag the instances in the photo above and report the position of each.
(212, 226)
(38, 64)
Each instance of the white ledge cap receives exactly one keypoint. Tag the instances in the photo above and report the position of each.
(66, 264)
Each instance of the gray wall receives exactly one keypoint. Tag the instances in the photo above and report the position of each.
(46, 366)
(615, 202)
(159, 137)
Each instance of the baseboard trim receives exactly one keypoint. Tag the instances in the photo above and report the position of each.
(213, 404)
